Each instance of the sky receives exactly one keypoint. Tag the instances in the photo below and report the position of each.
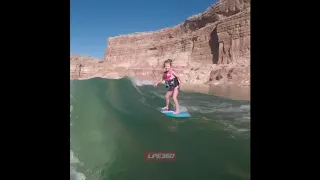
(94, 21)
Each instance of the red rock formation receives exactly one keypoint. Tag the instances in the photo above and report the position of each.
(215, 42)
(85, 66)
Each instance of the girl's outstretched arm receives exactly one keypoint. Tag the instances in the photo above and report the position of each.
(156, 84)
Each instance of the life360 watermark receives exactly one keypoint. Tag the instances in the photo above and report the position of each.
(160, 156)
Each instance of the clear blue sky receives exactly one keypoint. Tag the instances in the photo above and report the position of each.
(93, 21)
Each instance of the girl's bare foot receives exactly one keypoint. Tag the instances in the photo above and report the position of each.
(176, 112)
(165, 108)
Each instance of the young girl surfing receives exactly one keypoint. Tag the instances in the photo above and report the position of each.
(172, 83)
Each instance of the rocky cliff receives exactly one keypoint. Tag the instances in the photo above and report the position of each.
(210, 47)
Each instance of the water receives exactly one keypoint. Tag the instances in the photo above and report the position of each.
(113, 122)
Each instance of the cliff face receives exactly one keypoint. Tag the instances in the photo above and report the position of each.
(84, 67)
(211, 47)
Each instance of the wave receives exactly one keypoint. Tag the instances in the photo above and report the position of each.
(112, 121)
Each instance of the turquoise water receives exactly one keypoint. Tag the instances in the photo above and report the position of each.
(113, 122)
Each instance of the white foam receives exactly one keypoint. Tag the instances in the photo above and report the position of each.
(139, 82)
(73, 158)
(234, 118)
(183, 109)
(209, 107)
(74, 161)
(245, 107)
(74, 174)
(143, 100)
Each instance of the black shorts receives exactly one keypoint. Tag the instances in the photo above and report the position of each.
(171, 84)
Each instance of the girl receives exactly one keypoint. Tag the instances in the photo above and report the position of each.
(172, 83)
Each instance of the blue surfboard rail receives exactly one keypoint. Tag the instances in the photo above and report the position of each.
(180, 115)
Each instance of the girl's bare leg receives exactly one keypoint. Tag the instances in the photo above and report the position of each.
(167, 97)
(175, 99)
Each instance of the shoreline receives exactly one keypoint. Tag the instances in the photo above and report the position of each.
(227, 91)
(241, 93)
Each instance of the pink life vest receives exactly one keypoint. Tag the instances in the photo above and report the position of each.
(168, 75)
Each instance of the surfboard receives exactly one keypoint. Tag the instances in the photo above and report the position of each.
(180, 115)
